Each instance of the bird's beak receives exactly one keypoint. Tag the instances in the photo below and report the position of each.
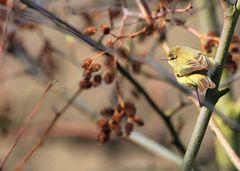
(165, 59)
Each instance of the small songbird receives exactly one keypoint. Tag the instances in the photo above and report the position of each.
(192, 69)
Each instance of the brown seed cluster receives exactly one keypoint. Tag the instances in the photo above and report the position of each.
(94, 74)
(210, 44)
(89, 77)
(91, 30)
(120, 120)
(233, 55)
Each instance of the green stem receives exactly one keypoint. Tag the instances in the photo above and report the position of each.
(231, 16)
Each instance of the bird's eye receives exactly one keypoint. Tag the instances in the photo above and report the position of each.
(172, 57)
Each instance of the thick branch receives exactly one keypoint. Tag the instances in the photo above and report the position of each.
(231, 16)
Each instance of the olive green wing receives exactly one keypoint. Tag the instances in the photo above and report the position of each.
(200, 62)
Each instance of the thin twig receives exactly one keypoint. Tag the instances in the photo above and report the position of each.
(143, 6)
(200, 35)
(226, 146)
(135, 137)
(45, 135)
(230, 80)
(22, 129)
(154, 147)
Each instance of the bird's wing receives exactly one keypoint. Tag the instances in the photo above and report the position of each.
(201, 62)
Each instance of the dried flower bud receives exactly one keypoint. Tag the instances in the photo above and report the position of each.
(102, 123)
(235, 39)
(97, 79)
(107, 112)
(86, 63)
(113, 124)
(128, 128)
(108, 77)
(235, 50)
(105, 29)
(87, 75)
(95, 67)
(109, 61)
(138, 121)
(130, 109)
(85, 84)
(103, 137)
(89, 31)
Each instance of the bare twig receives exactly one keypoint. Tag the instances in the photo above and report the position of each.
(143, 6)
(22, 129)
(43, 138)
(222, 140)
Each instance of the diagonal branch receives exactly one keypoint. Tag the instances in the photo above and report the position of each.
(231, 14)
(73, 31)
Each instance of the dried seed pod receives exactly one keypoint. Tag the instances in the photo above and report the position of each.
(130, 109)
(107, 112)
(97, 79)
(235, 39)
(235, 50)
(138, 121)
(108, 77)
(86, 63)
(85, 84)
(87, 75)
(103, 137)
(113, 124)
(95, 67)
(105, 29)
(89, 31)
(128, 128)
(102, 123)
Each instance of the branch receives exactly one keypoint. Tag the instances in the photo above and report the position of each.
(23, 128)
(154, 147)
(73, 31)
(231, 15)
(142, 5)
(135, 137)
(45, 135)
(229, 151)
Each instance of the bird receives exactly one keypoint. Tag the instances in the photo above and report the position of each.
(192, 69)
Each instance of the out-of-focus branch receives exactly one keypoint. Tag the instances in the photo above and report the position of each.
(23, 128)
(45, 135)
(226, 146)
(143, 6)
